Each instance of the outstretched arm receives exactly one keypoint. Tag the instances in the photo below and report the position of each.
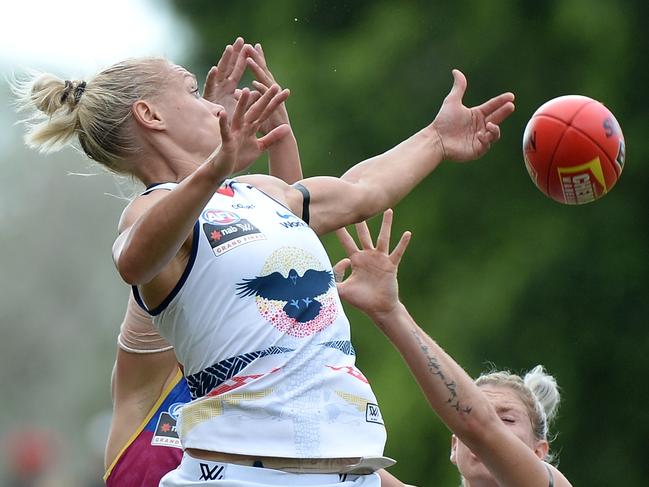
(372, 287)
(457, 133)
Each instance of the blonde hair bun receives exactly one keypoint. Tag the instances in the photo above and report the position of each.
(545, 389)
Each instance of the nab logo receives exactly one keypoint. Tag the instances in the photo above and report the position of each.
(373, 413)
(225, 237)
(209, 472)
(166, 433)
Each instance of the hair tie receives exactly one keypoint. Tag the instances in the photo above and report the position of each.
(78, 91)
(66, 90)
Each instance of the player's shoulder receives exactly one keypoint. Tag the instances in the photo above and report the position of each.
(559, 479)
(263, 182)
(274, 187)
(138, 205)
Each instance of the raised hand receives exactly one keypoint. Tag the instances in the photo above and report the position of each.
(264, 79)
(372, 286)
(240, 145)
(222, 80)
(467, 133)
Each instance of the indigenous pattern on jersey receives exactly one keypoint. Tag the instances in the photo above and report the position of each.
(154, 449)
(258, 325)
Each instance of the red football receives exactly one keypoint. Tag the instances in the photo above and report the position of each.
(574, 149)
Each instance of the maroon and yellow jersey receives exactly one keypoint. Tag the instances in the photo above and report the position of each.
(154, 449)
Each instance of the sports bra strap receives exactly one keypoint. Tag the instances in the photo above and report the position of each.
(551, 484)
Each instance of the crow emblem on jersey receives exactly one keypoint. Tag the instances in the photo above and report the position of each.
(293, 291)
(299, 292)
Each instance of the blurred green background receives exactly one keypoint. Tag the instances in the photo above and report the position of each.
(497, 273)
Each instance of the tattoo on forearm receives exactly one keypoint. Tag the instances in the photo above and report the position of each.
(435, 369)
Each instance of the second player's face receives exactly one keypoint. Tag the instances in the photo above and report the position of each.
(513, 414)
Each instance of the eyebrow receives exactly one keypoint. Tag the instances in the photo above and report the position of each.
(185, 73)
(507, 409)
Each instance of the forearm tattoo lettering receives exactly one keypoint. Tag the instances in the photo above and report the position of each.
(435, 369)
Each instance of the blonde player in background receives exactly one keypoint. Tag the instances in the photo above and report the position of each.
(500, 421)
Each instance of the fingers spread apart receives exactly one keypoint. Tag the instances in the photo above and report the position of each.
(382, 242)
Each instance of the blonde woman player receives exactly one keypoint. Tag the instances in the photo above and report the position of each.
(500, 421)
(148, 387)
(146, 363)
(232, 271)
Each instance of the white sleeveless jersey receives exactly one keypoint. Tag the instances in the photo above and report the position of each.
(258, 325)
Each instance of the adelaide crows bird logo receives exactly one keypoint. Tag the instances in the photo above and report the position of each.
(294, 292)
(299, 292)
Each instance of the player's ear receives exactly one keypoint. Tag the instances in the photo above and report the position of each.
(541, 449)
(454, 441)
(147, 116)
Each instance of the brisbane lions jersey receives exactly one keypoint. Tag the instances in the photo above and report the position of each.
(154, 449)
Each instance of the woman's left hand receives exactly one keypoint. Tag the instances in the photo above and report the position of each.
(467, 133)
